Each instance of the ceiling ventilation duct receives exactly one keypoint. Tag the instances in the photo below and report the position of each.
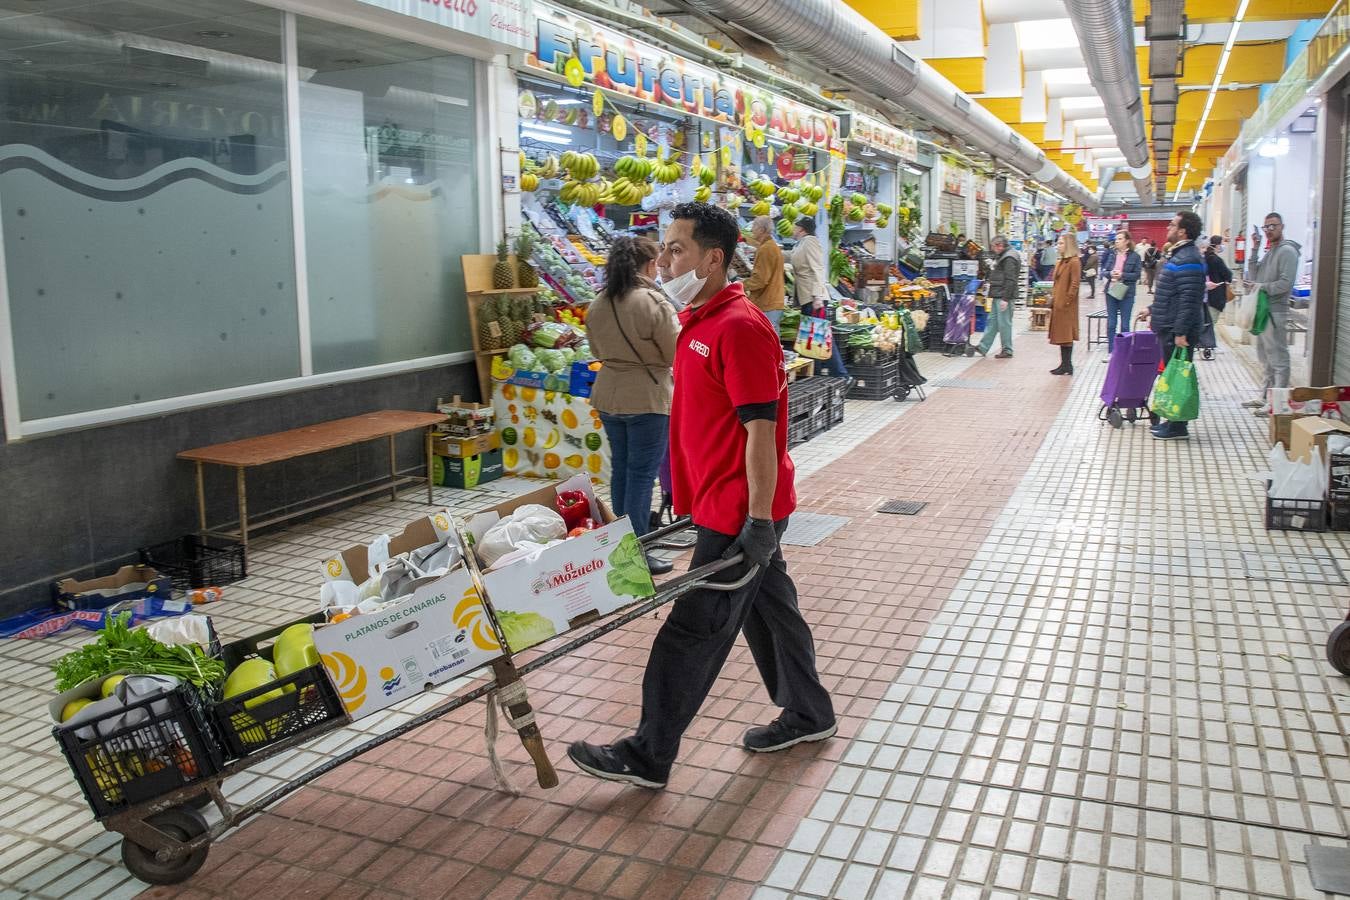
(1105, 31)
(832, 36)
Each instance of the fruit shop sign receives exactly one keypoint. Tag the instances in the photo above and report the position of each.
(614, 62)
(504, 21)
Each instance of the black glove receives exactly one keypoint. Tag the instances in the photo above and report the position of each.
(758, 540)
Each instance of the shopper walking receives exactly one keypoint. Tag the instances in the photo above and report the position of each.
(811, 283)
(1004, 285)
(1151, 258)
(1274, 272)
(632, 330)
(1090, 261)
(732, 474)
(1063, 328)
(1121, 280)
(1178, 313)
(764, 287)
(1218, 281)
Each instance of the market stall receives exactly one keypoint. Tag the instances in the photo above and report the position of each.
(877, 153)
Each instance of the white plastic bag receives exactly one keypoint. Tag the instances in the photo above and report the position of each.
(525, 550)
(1246, 311)
(1292, 479)
(192, 628)
(531, 522)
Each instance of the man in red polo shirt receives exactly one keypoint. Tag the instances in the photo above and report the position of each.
(732, 474)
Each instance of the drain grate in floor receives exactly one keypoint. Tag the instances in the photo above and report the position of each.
(902, 507)
(965, 384)
(1305, 568)
(809, 529)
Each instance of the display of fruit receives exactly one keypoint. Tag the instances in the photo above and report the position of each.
(789, 195)
(762, 187)
(489, 314)
(837, 205)
(550, 167)
(703, 194)
(667, 171)
(883, 221)
(809, 210)
(761, 208)
(734, 201)
(855, 214)
(789, 213)
(813, 192)
(627, 193)
(580, 166)
(503, 276)
(884, 209)
(707, 175)
(529, 182)
(634, 168)
(110, 684)
(526, 277)
(784, 228)
(582, 193)
(858, 200)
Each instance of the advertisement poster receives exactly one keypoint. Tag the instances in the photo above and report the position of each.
(887, 138)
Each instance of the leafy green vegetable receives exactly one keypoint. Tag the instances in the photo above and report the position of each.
(524, 629)
(523, 357)
(121, 648)
(628, 574)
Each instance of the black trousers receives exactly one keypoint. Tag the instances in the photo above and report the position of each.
(695, 640)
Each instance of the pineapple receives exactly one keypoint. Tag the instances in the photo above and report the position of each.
(512, 330)
(525, 273)
(488, 315)
(503, 276)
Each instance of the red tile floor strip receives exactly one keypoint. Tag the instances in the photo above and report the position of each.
(421, 817)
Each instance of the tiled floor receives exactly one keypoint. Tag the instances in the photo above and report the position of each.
(1056, 680)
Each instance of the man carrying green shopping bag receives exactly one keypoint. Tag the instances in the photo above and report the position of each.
(1177, 315)
(1272, 275)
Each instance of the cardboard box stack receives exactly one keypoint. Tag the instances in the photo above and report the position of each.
(468, 449)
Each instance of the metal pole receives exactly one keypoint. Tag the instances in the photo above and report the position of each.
(431, 499)
(242, 489)
(393, 471)
(201, 498)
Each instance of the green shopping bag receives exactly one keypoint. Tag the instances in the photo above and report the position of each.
(1262, 317)
(1176, 394)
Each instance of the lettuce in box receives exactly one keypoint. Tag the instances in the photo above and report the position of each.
(524, 629)
(628, 574)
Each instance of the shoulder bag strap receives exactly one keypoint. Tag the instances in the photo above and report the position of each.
(618, 320)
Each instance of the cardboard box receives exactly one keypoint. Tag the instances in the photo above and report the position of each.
(127, 583)
(1312, 431)
(468, 471)
(1280, 425)
(444, 445)
(441, 632)
(466, 419)
(568, 584)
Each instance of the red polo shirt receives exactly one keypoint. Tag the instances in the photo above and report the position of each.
(729, 355)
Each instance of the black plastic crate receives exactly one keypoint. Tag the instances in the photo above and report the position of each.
(875, 382)
(284, 708)
(194, 561)
(869, 356)
(1338, 514)
(1296, 515)
(157, 745)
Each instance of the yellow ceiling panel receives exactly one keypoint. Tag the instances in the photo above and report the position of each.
(1032, 131)
(966, 72)
(1204, 12)
(1256, 62)
(1009, 109)
(898, 18)
(1227, 104)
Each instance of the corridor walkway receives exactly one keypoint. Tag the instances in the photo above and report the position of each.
(1084, 669)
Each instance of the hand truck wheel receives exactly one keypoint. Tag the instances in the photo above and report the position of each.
(182, 823)
(1131, 415)
(902, 393)
(1338, 648)
(1114, 418)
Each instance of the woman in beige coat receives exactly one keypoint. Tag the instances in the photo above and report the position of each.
(1064, 302)
(633, 330)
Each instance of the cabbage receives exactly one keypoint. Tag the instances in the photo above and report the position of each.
(523, 630)
(628, 575)
(523, 357)
(552, 360)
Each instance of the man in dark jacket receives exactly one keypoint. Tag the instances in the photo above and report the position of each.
(1005, 281)
(1178, 310)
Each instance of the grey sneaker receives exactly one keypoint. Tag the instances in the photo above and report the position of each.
(778, 735)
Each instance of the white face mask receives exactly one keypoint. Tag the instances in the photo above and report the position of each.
(683, 288)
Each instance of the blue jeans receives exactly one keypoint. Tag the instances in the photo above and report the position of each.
(775, 317)
(1117, 311)
(835, 364)
(637, 444)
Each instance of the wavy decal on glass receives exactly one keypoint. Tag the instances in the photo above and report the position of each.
(26, 156)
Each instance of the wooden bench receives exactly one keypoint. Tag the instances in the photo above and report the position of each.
(266, 449)
(1040, 318)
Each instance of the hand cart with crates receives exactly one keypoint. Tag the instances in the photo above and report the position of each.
(149, 769)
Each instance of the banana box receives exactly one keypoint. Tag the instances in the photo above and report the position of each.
(440, 632)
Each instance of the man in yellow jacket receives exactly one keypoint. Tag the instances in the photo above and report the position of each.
(764, 287)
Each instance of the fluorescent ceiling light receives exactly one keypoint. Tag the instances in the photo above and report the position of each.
(1214, 87)
(1066, 76)
(1080, 124)
(1047, 34)
(1081, 103)
(551, 129)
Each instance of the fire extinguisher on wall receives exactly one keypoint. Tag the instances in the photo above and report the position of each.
(1240, 248)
